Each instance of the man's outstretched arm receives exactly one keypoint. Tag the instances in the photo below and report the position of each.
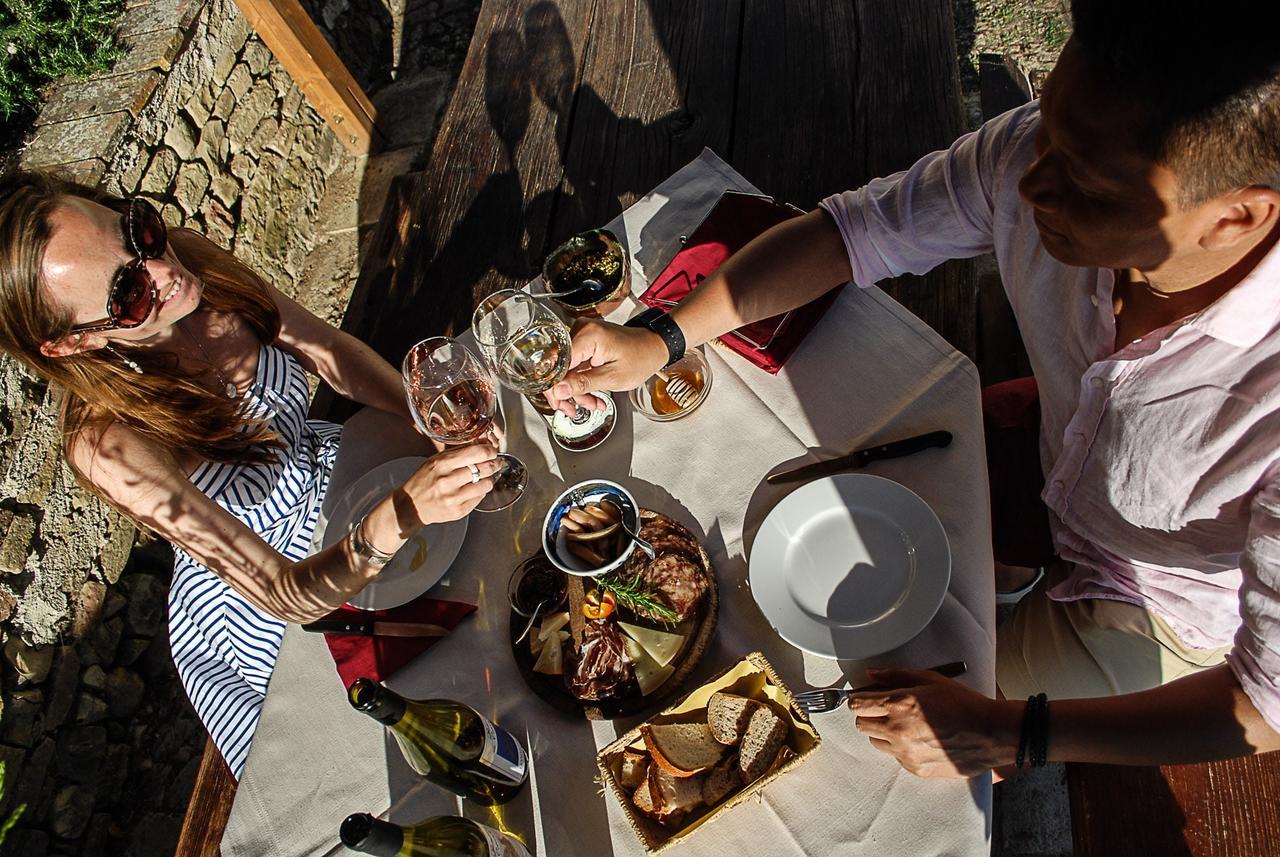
(937, 727)
(781, 269)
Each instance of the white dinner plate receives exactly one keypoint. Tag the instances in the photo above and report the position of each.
(850, 566)
(417, 566)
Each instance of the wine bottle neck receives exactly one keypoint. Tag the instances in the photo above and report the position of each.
(369, 835)
(385, 706)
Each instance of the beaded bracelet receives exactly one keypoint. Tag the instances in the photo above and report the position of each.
(1025, 733)
(1040, 748)
(1034, 738)
(361, 547)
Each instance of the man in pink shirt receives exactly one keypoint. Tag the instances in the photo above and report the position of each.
(1134, 213)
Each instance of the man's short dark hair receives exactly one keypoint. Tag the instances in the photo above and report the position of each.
(1208, 78)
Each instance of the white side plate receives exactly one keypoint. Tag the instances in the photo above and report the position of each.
(850, 566)
(417, 566)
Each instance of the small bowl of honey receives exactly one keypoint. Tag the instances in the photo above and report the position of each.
(655, 399)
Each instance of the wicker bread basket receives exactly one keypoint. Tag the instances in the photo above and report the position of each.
(753, 677)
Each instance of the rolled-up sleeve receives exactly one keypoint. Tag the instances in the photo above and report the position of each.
(1255, 657)
(939, 209)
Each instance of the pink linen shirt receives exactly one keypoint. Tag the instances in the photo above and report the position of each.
(1162, 460)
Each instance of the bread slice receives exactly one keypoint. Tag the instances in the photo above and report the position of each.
(721, 780)
(642, 799)
(728, 715)
(761, 742)
(682, 749)
(634, 769)
(672, 797)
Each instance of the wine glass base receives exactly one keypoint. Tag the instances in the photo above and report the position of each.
(508, 485)
(587, 429)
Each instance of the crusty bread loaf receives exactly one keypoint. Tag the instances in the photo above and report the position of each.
(642, 798)
(682, 749)
(721, 780)
(728, 715)
(760, 743)
(633, 770)
(673, 796)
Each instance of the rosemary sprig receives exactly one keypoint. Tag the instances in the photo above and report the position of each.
(638, 600)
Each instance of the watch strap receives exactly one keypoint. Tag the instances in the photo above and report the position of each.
(660, 322)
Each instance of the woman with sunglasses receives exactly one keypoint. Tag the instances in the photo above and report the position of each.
(184, 400)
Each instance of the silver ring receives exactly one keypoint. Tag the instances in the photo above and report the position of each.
(475, 473)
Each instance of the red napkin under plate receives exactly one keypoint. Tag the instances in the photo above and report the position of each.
(735, 219)
(360, 656)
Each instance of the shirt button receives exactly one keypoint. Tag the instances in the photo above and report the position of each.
(1079, 436)
(1096, 381)
(1059, 484)
(1093, 299)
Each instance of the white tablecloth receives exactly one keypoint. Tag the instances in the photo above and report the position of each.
(870, 371)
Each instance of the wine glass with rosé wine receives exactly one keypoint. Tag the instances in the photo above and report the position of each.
(454, 400)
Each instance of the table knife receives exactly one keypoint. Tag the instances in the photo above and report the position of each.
(375, 628)
(862, 457)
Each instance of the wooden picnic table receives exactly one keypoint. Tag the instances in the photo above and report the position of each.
(567, 110)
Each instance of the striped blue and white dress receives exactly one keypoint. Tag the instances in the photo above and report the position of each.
(223, 646)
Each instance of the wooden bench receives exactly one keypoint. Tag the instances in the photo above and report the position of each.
(565, 112)
(1220, 809)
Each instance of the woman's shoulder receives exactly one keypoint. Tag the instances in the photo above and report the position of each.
(114, 457)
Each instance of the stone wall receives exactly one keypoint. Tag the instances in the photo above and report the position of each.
(99, 740)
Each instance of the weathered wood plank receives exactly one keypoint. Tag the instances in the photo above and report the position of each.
(209, 809)
(1220, 809)
(832, 95)
(907, 104)
(657, 86)
(297, 43)
(475, 219)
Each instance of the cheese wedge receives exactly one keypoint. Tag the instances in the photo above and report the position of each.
(662, 646)
(551, 659)
(650, 674)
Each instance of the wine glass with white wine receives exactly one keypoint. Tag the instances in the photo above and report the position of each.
(453, 400)
(530, 350)
(523, 341)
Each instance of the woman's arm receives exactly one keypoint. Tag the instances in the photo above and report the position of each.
(349, 366)
(938, 727)
(149, 486)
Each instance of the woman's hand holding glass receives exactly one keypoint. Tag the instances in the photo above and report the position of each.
(446, 487)
(453, 400)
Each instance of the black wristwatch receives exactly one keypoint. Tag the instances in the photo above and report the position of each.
(657, 320)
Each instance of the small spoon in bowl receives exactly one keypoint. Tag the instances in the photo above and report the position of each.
(533, 617)
(640, 542)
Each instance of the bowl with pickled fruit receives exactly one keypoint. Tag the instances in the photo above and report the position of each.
(676, 391)
(586, 529)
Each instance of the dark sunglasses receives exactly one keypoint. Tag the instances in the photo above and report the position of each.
(133, 294)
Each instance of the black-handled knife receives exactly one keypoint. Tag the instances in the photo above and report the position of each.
(375, 628)
(862, 457)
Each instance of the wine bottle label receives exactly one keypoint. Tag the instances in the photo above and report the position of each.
(503, 754)
(502, 844)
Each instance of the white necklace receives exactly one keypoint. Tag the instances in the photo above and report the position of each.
(231, 391)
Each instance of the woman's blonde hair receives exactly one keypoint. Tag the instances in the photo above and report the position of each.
(163, 404)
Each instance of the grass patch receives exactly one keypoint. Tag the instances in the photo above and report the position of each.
(43, 40)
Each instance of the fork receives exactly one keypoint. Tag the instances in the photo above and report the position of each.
(830, 698)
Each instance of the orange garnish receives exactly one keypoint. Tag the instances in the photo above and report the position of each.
(596, 606)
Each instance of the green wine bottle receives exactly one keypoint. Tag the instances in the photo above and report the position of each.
(448, 743)
(443, 836)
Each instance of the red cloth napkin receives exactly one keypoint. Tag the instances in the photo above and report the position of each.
(358, 656)
(733, 222)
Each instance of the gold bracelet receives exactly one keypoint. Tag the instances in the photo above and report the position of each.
(361, 547)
